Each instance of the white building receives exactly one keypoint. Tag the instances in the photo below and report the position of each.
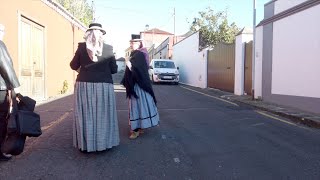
(192, 63)
(288, 54)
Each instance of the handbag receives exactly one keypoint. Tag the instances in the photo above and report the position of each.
(14, 142)
(28, 123)
(26, 103)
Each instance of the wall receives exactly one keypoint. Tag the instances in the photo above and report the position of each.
(258, 63)
(282, 5)
(290, 65)
(150, 38)
(240, 62)
(299, 50)
(192, 63)
(60, 42)
(162, 51)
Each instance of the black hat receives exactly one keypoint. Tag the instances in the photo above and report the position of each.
(97, 26)
(135, 37)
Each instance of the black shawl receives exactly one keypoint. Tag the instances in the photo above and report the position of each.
(138, 74)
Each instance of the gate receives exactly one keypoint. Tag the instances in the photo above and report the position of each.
(248, 68)
(221, 62)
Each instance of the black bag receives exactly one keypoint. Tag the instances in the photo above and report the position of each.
(22, 122)
(13, 144)
(28, 123)
(26, 103)
(14, 141)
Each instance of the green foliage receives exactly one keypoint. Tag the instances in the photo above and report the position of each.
(79, 9)
(214, 28)
(64, 87)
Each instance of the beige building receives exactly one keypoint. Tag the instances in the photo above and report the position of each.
(154, 36)
(151, 38)
(41, 37)
(165, 50)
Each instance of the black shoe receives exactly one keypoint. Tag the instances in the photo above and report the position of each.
(4, 158)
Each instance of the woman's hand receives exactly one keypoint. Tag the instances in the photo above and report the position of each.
(10, 100)
(128, 63)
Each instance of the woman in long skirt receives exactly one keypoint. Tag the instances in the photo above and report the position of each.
(143, 112)
(95, 125)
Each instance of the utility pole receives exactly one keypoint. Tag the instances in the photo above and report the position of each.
(93, 12)
(174, 25)
(253, 48)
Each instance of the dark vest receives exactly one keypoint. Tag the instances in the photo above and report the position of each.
(100, 71)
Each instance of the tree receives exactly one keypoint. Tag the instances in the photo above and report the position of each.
(79, 9)
(214, 28)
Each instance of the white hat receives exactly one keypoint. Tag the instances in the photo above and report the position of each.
(97, 26)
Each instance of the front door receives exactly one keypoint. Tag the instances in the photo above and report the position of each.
(32, 59)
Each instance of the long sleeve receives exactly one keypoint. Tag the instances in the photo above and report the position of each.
(6, 68)
(75, 63)
(113, 66)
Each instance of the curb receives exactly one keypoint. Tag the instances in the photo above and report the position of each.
(53, 98)
(302, 119)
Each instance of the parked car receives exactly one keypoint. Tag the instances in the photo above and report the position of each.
(163, 70)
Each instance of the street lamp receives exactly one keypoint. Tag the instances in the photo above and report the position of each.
(147, 28)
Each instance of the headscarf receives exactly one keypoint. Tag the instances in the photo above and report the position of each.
(146, 54)
(137, 75)
(94, 43)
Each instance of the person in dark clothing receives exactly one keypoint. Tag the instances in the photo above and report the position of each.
(95, 125)
(8, 82)
(143, 112)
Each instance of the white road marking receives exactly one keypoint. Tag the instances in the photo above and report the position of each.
(163, 137)
(210, 96)
(258, 124)
(281, 120)
(176, 160)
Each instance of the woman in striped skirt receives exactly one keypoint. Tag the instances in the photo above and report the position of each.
(143, 112)
(95, 126)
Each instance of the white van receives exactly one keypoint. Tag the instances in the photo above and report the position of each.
(163, 70)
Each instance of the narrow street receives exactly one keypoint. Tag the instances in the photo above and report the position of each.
(199, 137)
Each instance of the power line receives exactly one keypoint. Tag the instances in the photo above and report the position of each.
(170, 18)
(120, 9)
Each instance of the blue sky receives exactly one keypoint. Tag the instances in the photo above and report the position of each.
(122, 18)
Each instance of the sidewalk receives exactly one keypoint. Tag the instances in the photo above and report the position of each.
(295, 115)
(53, 98)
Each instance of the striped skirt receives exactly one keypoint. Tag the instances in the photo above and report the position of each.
(143, 112)
(95, 126)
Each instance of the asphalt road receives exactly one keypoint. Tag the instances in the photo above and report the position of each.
(199, 137)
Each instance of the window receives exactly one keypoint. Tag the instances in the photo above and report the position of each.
(164, 64)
